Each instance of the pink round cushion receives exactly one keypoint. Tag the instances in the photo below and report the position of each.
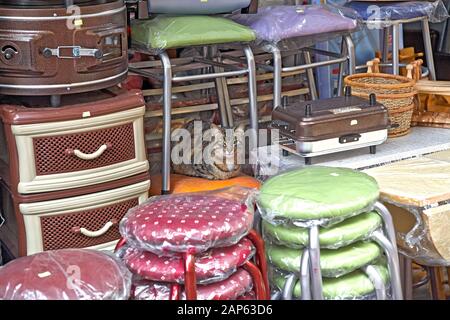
(211, 266)
(235, 286)
(70, 274)
(183, 222)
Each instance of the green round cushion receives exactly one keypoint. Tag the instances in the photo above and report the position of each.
(342, 234)
(317, 193)
(353, 285)
(165, 31)
(333, 263)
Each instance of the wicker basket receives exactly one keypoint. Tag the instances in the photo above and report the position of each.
(396, 93)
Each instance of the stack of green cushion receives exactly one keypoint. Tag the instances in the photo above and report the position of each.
(337, 197)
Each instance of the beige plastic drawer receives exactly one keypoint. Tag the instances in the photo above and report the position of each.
(89, 221)
(64, 155)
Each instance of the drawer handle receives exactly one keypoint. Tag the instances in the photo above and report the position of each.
(95, 234)
(91, 156)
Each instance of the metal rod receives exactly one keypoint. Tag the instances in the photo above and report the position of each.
(314, 65)
(277, 76)
(314, 256)
(167, 118)
(341, 68)
(428, 48)
(146, 74)
(393, 263)
(310, 74)
(305, 276)
(289, 286)
(324, 52)
(209, 76)
(220, 90)
(351, 54)
(395, 48)
(377, 281)
(253, 96)
(218, 64)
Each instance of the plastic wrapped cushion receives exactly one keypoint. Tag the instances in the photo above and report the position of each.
(275, 23)
(70, 274)
(390, 11)
(164, 32)
(235, 286)
(317, 193)
(344, 233)
(195, 6)
(334, 263)
(355, 285)
(193, 222)
(211, 266)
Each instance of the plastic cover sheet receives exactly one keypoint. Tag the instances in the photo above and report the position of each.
(235, 286)
(193, 222)
(291, 26)
(384, 12)
(353, 286)
(342, 234)
(186, 7)
(316, 195)
(333, 263)
(69, 274)
(211, 266)
(421, 187)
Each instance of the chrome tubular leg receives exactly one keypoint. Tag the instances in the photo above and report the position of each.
(277, 76)
(252, 93)
(388, 223)
(351, 54)
(288, 289)
(305, 276)
(310, 75)
(428, 48)
(276, 296)
(385, 45)
(341, 68)
(395, 48)
(314, 256)
(394, 267)
(167, 118)
(377, 280)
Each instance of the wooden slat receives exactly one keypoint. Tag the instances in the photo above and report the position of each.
(268, 97)
(183, 110)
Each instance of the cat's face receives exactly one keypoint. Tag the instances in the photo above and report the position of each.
(227, 147)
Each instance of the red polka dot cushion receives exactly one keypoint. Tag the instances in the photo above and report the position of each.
(195, 222)
(211, 266)
(235, 286)
(70, 274)
(248, 296)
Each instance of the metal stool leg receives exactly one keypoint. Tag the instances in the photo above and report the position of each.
(310, 75)
(288, 289)
(258, 281)
(253, 96)
(388, 223)
(175, 292)
(341, 68)
(428, 48)
(258, 242)
(394, 267)
(167, 118)
(277, 76)
(385, 45)
(395, 48)
(314, 256)
(351, 54)
(305, 276)
(377, 280)
(190, 278)
(407, 278)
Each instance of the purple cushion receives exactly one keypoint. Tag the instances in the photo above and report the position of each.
(276, 23)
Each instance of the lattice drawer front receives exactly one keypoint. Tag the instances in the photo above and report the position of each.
(63, 231)
(61, 154)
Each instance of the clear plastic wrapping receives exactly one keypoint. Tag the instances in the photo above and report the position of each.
(316, 195)
(342, 234)
(352, 286)
(195, 6)
(419, 189)
(291, 26)
(69, 274)
(334, 263)
(384, 12)
(193, 222)
(231, 288)
(211, 266)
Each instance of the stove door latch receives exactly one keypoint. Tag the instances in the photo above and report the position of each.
(72, 52)
(349, 138)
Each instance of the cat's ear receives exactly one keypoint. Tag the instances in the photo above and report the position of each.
(240, 128)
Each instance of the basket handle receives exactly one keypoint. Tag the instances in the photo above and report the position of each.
(373, 66)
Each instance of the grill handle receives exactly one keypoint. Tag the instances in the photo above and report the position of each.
(90, 156)
(95, 234)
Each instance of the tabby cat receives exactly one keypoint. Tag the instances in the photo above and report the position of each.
(208, 151)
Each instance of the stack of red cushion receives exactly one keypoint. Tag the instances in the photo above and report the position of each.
(212, 226)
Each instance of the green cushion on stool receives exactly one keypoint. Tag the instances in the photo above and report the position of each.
(165, 32)
(344, 233)
(353, 285)
(317, 193)
(333, 263)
